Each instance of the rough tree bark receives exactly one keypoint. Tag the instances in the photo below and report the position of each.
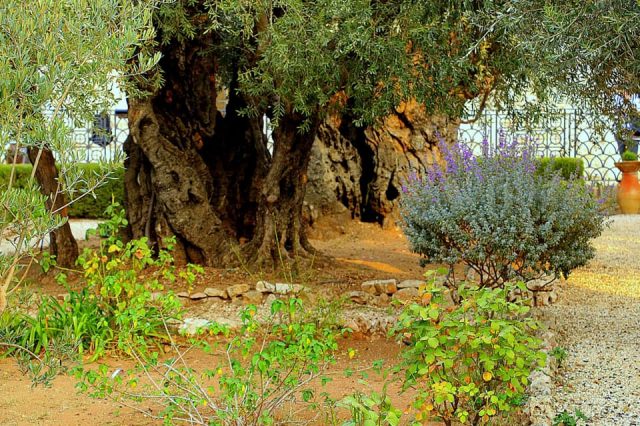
(62, 244)
(167, 181)
(208, 179)
(364, 168)
(279, 228)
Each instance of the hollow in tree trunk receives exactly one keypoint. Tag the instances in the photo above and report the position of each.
(364, 168)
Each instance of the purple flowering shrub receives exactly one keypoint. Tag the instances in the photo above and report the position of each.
(499, 218)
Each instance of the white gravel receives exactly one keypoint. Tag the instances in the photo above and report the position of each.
(598, 322)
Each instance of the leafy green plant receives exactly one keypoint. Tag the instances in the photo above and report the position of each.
(120, 304)
(261, 368)
(560, 354)
(629, 156)
(567, 419)
(567, 167)
(373, 409)
(40, 103)
(123, 281)
(469, 362)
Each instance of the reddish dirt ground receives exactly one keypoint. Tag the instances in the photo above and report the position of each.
(356, 252)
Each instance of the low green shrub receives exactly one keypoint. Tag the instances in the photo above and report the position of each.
(372, 409)
(470, 362)
(84, 206)
(560, 354)
(567, 419)
(262, 368)
(569, 168)
(629, 156)
(500, 219)
(117, 307)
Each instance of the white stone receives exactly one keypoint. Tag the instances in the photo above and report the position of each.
(265, 287)
(407, 294)
(270, 299)
(285, 288)
(191, 326)
(389, 286)
(237, 290)
(252, 297)
(360, 297)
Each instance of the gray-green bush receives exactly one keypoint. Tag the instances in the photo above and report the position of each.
(499, 217)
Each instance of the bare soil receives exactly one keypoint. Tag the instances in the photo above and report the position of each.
(353, 252)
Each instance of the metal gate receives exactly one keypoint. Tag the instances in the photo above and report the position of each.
(558, 133)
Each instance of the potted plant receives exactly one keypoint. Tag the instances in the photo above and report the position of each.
(629, 187)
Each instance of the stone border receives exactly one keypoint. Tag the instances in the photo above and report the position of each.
(539, 406)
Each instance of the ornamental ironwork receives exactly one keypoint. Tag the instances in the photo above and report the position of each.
(564, 132)
(557, 133)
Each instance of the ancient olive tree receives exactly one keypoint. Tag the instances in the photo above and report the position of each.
(57, 65)
(586, 52)
(456, 51)
(212, 179)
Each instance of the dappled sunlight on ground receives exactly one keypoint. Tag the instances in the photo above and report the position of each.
(611, 283)
(379, 266)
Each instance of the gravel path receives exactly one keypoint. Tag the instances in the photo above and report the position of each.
(598, 322)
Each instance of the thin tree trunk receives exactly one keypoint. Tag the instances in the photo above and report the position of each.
(62, 244)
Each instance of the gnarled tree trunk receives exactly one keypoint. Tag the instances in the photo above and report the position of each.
(365, 168)
(167, 182)
(209, 179)
(62, 244)
(279, 228)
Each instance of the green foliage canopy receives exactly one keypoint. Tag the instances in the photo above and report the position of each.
(311, 57)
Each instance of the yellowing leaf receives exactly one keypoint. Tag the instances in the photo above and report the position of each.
(113, 248)
(486, 376)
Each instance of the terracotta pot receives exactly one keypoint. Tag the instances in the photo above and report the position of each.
(629, 187)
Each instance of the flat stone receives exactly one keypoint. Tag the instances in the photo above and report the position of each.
(369, 287)
(285, 288)
(192, 326)
(265, 287)
(252, 297)
(380, 286)
(407, 294)
(215, 292)
(411, 284)
(360, 297)
(198, 296)
(544, 283)
(237, 290)
(183, 294)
